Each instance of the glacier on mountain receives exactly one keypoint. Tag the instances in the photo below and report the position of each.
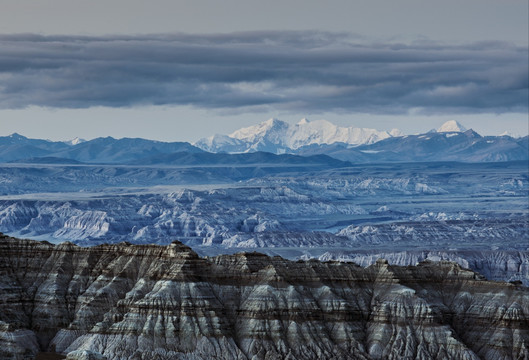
(278, 136)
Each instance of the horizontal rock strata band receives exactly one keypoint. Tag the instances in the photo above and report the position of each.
(128, 301)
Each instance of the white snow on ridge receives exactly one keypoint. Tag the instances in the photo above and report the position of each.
(510, 134)
(448, 135)
(74, 141)
(396, 133)
(221, 142)
(307, 132)
(324, 132)
(279, 136)
(272, 128)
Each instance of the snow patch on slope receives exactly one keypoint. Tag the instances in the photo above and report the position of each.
(74, 141)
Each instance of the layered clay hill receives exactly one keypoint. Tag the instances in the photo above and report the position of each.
(164, 302)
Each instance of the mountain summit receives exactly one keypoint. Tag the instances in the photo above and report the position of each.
(74, 141)
(278, 137)
(452, 126)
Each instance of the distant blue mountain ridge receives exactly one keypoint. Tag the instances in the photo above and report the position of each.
(466, 146)
(461, 146)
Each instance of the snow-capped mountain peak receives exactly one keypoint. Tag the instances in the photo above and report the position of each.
(269, 128)
(303, 121)
(74, 141)
(396, 133)
(17, 136)
(510, 134)
(221, 143)
(452, 126)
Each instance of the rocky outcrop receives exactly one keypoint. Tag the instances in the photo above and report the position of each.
(126, 301)
(498, 265)
(440, 232)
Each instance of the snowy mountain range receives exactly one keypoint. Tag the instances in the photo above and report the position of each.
(466, 146)
(278, 137)
(450, 142)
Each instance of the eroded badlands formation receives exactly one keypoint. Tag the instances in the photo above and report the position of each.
(164, 302)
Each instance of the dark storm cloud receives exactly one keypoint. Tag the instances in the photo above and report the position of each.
(296, 71)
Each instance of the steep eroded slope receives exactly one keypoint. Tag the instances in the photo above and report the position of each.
(165, 302)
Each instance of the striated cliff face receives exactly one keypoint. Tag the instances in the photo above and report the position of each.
(164, 302)
(498, 265)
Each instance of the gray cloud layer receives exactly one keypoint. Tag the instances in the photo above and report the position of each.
(296, 71)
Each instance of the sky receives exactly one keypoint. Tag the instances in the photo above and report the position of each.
(182, 70)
